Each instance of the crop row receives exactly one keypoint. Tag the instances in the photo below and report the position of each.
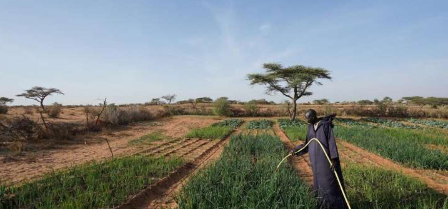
(295, 130)
(377, 188)
(352, 122)
(217, 130)
(245, 177)
(96, 185)
(431, 123)
(229, 122)
(391, 123)
(372, 187)
(260, 124)
(397, 144)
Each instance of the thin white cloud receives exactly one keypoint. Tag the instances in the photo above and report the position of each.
(265, 27)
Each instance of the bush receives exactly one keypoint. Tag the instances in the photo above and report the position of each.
(29, 111)
(18, 128)
(221, 107)
(54, 111)
(3, 109)
(251, 108)
(113, 115)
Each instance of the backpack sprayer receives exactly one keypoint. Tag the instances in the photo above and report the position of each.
(329, 161)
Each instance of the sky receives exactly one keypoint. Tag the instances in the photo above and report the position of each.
(132, 51)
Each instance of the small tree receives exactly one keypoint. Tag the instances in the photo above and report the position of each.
(155, 101)
(39, 94)
(204, 100)
(221, 107)
(297, 78)
(321, 101)
(169, 98)
(193, 102)
(3, 102)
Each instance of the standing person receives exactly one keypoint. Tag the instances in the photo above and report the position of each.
(325, 185)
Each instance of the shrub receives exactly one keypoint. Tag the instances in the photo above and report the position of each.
(3, 109)
(221, 107)
(251, 108)
(54, 111)
(113, 115)
(18, 128)
(29, 111)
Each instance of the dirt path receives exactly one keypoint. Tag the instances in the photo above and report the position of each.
(302, 163)
(437, 180)
(36, 164)
(198, 152)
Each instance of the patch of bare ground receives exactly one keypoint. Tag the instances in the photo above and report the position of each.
(437, 180)
(31, 165)
(198, 152)
(301, 163)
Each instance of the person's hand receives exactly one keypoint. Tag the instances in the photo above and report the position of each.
(333, 164)
(292, 152)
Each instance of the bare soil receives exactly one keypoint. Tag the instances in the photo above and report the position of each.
(31, 165)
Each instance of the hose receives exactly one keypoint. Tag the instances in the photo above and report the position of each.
(329, 161)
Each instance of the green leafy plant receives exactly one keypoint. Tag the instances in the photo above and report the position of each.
(260, 124)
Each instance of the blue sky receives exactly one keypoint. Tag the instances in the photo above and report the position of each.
(132, 51)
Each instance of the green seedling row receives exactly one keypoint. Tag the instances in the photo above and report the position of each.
(377, 188)
(295, 130)
(352, 122)
(95, 185)
(260, 124)
(431, 123)
(391, 123)
(217, 130)
(148, 138)
(229, 122)
(399, 145)
(245, 177)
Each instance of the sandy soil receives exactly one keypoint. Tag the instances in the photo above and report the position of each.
(35, 164)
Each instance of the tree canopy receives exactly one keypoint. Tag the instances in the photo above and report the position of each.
(292, 82)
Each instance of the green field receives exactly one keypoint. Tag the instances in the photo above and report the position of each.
(245, 177)
(95, 185)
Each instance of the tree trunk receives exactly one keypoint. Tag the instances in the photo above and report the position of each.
(294, 110)
(42, 115)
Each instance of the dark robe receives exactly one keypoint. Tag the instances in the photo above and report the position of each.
(325, 185)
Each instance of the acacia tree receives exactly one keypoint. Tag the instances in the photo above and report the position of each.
(293, 82)
(39, 94)
(169, 98)
(4, 100)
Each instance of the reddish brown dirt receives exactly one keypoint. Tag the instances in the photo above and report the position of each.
(35, 164)
(198, 152)
(301, 163)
